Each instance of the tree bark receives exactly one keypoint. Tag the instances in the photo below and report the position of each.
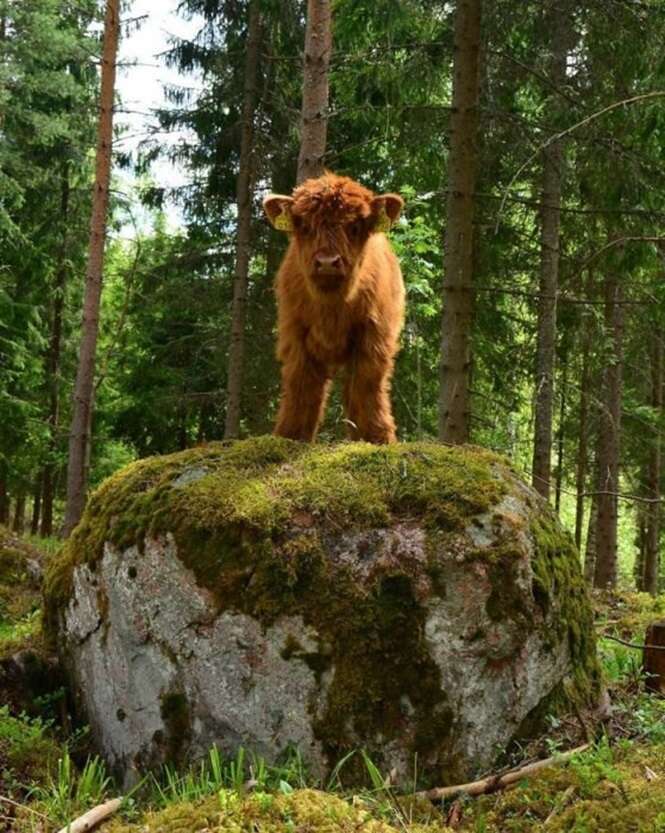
(550, 227)
(455, 371)
(36, 507)
(590, 549)
(653, 658)
(4, 494)
(583, 439)
(640, 545)
(244, 193)
(652, 537)
(314, 125)
(79, 438)
(18, 525)
(561, 438)
(609, 439)
(53, 361)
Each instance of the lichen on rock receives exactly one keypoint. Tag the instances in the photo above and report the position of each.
(416, 600)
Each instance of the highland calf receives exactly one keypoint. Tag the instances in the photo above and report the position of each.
(340, 298)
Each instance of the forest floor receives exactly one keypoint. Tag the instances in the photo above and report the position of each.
(48, 775)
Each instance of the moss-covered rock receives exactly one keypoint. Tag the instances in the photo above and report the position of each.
(415, 600)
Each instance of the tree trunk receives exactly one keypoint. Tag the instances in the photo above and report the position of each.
(652, 537)
(53, 362)
(19, 514)
(36, 507)
(583, 440)
(455, 372)
(244, 202)
(590, 549)
(550, 226)
(609, 439)
(561, 444)
(314, 126)
(653, 659)
(640, 546)
(183, 436)
(4, 494)
(79, 438)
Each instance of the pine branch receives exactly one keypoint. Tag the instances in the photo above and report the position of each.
(567, 132)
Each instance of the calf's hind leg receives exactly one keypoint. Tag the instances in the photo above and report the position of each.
(305, 386)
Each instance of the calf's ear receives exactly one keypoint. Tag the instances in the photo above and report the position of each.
(386, 210)
(278, 211)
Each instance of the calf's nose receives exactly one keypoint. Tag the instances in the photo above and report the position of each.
(323, 261)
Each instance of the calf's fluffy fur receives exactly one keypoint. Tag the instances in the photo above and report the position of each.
(340, 298)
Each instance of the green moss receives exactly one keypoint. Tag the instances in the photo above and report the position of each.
(602, 791)
(605, 790)
(383, 673)
(318, 661)
(629, 614)
(303, 811)
(235, 496)
(557, 577)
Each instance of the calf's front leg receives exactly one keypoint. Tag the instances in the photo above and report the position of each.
(305, 385)
(367, 400)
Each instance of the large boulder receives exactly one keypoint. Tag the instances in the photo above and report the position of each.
(416, 601)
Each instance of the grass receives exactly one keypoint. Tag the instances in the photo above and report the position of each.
(243, 773)
(40, 785)
(69, 793)
(48, 545)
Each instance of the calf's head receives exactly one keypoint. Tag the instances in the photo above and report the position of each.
(331, 219)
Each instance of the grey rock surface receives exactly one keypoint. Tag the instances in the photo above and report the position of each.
(142, 635)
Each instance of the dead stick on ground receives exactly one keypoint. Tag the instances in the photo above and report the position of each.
(93, 818)
(563, 802)
(632, 644)
(494, 782)
(22, 807)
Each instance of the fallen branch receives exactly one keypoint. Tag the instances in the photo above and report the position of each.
(93, 818)
(22, 807)
(561, 804)
(493, 783)
(632, 644)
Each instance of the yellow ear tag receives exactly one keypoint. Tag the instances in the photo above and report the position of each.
(283, 221)
(383, 223)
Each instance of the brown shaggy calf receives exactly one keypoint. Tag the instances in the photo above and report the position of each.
(340, 301)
